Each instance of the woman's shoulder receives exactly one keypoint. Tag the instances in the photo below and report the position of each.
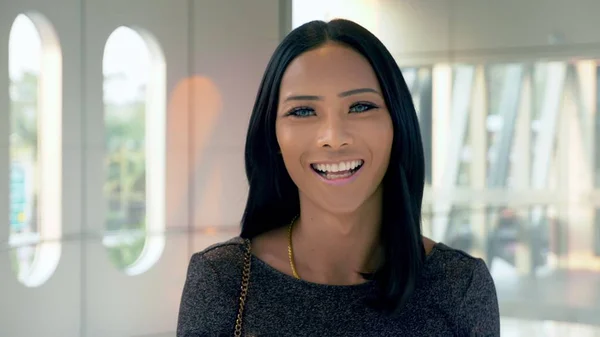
(461, 284)
(222, 259)
(454, 266)
(454, 272)
(209, 295)
(222, 250)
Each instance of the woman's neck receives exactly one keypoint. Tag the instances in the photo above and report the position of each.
(335, 248)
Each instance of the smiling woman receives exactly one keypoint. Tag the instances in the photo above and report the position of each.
(331, 112)
(331, 232)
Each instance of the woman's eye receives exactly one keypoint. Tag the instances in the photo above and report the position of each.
(362, 107)
(301, 112)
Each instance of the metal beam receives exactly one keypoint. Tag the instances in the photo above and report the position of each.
(547, 134)
(425, 122)
(462, 88)
(508, 110)
(285, 18)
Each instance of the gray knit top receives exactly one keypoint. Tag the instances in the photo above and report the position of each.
(455, 296)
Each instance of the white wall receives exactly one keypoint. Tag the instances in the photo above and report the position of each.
(216, 52)
(38, 311)
(425, 32)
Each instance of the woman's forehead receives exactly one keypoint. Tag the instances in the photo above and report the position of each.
(330, 65)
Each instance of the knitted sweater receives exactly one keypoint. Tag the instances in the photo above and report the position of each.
(455, 296)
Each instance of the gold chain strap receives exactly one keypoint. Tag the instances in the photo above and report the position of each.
(246, 276)
(291, 249)
(244, 293)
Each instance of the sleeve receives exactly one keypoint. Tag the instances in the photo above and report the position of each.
(479, 314)
(205, 309)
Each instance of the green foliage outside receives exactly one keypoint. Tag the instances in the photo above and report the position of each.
(24, 144)
(125, 185)
(125, 255)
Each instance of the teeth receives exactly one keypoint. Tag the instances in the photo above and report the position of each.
(338, 167)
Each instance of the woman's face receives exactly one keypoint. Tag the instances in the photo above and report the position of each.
(333, 127)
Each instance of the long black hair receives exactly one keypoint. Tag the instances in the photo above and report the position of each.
(273, 199)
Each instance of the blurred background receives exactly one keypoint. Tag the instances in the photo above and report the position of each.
(123, 123)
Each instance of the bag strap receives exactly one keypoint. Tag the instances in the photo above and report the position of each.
(244, 288)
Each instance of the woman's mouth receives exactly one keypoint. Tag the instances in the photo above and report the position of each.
(339, 170)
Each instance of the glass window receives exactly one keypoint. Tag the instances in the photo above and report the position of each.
(596, 154)
(504, 82)
(134, 107)
(419, 82)
(596, 157)
(462, 91)
(35, 66)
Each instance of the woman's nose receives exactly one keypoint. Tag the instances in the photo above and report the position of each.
(334, 133)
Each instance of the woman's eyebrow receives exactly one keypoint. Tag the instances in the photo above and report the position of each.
(341, 94)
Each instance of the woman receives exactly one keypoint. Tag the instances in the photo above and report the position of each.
(331, 243)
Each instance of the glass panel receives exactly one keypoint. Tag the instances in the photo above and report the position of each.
(504, 82)
(419, 82)
(25, 59)
(596, 161)
(126, 68)
(35, 147)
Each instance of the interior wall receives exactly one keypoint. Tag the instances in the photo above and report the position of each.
(426, 32)
(216, 52)
(34, 311)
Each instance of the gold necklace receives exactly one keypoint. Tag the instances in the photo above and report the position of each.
(291, 249)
